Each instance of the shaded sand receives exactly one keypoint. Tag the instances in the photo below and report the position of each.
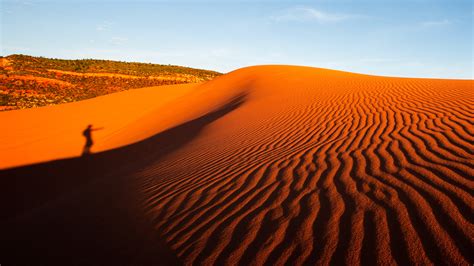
(264, 165)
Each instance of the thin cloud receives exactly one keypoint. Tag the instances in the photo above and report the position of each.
(105, 26)
(311, 14)
(437, 23)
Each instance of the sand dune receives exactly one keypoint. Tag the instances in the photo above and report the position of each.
(264, 165)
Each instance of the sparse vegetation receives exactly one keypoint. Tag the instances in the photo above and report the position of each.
(27, 81)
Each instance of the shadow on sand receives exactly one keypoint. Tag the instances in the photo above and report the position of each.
(87, 210)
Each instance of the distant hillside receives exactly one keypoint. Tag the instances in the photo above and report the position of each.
(28, 81)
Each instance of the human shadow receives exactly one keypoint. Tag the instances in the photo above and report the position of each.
(87, 133)
(87, 210)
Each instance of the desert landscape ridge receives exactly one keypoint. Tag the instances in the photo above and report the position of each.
(265, 165)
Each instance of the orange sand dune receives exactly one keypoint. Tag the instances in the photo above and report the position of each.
(264, 165)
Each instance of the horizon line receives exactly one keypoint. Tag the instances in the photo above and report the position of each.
(242, 67)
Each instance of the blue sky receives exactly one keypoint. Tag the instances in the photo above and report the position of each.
(417, 38)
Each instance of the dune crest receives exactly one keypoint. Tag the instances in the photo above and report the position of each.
(312, 166)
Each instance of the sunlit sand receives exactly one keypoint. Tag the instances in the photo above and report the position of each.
(266, 164)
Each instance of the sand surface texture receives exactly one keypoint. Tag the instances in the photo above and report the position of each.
(264, 165)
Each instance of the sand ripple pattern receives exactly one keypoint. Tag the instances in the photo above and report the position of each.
(321, 167)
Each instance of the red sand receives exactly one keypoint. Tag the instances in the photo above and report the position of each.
(268, 164)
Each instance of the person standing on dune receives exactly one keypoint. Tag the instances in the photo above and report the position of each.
(87, 133)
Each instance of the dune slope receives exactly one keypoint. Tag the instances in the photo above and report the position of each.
(312, 166)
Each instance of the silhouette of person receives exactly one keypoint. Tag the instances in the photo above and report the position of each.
(87, 133)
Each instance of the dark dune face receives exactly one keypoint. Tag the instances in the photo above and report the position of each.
(301, 166)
